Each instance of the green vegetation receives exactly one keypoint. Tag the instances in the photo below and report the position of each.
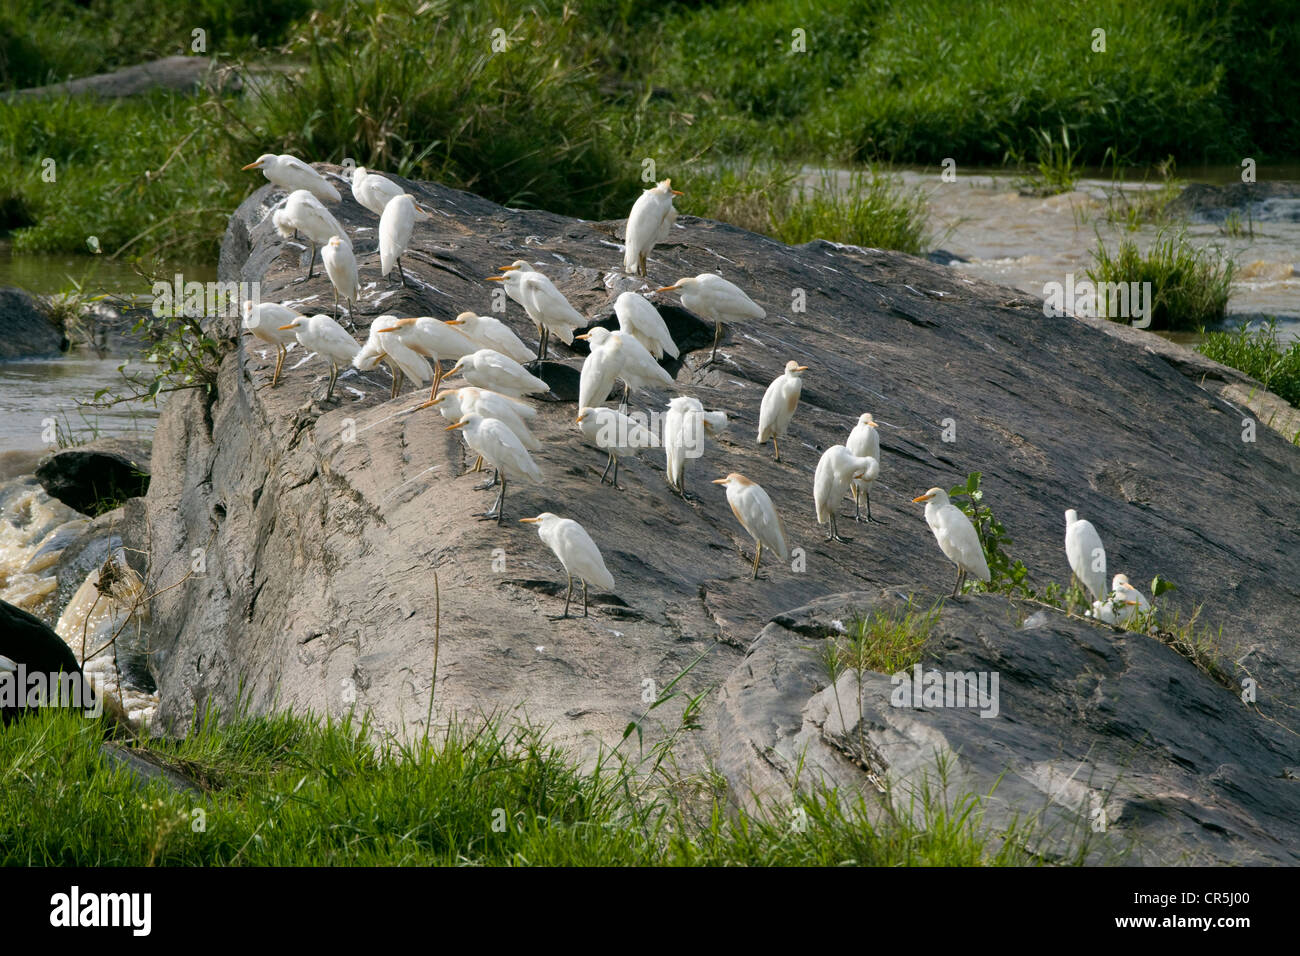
(291, 790)
(1056, 169)
(1257, 353)
(881, 641)
(1006, 574)
(1189, 286)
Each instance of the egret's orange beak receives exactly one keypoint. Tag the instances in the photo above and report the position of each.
(255, 164)
(454, 369)
(678, 192)
(721, 481)
(458, 321)
(452, 428)
(285, 328)
(393, 329)
(419, 208)
(923, 498)
(506, 268)
(580, 418)
(667, 288)
(872, 425)
(495, 279)
(529, 520)
(584, 336)
(801, 368)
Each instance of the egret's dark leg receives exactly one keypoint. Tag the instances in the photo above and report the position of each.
(488, 484)
(334, 375)
(311, 263)
(776, 448)
(568, 597)
(501, 501)
(857, 508)
(956, 588)
(758, 554)
(717, 337)
(609, 462)
(541, 343)
(400, 274)
(584, 598)
(615, 481)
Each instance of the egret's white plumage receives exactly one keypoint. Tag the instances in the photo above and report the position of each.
(713, 297)
(1123, 604)
(576, 551)
(836, 469)
(957, 537)
(513, 289)
(779, 403)
(620, 353)
(385, 345)
(864, 441)
(265, 321)
(614, 433)
(290, 173)
(650, 221)
(395, 227)
(640, 319)
(303, 212)
(341, 267)
(456, 403)
(756, 514)
(489, 332)
(685, 427)
(499, 373)
(322, 335)
(600, 369)
(1086, 555)
(373, 191)
(544, 303)
(493, 440)
(435, 340)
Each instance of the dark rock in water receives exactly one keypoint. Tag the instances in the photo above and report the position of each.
(184, 74)
(944, 258)
(25, 327)
(107, 469)
(323, 526)
(1260, 202)
(30, 647)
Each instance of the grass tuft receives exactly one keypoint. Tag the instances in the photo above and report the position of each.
(1189, 286)
(1258, 353)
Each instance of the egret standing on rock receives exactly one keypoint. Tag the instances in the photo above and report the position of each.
(635, 365)
(864, 441)
(500, 448)
(290, 173)
(576, 551)
(514, 413)
(837, 468)
(544, 303)
(614, 433)
(322, 335)
(1086, 555)
(303, 211)
(341, 267)
(638, 318)
(956, 536)
(395, 228)
(434, 339)
(384, 346)
(756, 514)
(266, 320)
(489, 332)
(779, 402)
(650, 221)
(600, 369)
(685, 427)
(373, 191)
(713, 297)
(492, 370)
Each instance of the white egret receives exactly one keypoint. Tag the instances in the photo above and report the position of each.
(956, 536)
(385, 346)
(629, 360)
(614, 433)
(837, 468)
(600, 369)
(513, 288)
(650, 221)
(266, 321)
(395, 228)
(544, 303)
(1086, 555)
(864, 441)
(713, 297)
(303, 211)
(434, 339)
(489, 332)
(290, 173)
(341, 267)
(322, 335)
(779, 403)
(499, 447)
(576, 551)
(499, 373)
(1123, 604)
(456, 403)
(640, 319)
(756, 514)
(685, 427)
(373, 191)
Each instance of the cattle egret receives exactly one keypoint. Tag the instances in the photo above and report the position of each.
(290, 173)
(265, 321)
(303, 211)
(599, 369)
(512, 287)
(1124, 603)
(1086, 555)
(756, 514)
(956, 536)
(489, 332)
(615, 433)
(837, 468)
(373, 191)
(640, 319)
(395, 228)
(864, 441)
(650, 221)
(499, 373)
(779, 402)
(322, 335)
(456, 403)
(713, 297)
(622, 356)
(685, 427)
(384, 345)
(500, 448)
(341, 267)
(544, 303)
(435, 340)
(576, 551)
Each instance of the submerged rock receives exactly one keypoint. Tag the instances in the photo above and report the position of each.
(1260, 202)
(25, 327)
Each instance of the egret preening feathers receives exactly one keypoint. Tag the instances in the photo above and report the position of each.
(270, 323)
(576, 551)
(640, 319)
(756, 514)
(395, 228)
(1124, 603)
(384, 346)
(501, 448)
(836, 469)
(713, 297)
(956, 536)
(373, 191)
(1085, 553)
(779, 403)
(290, 173)
(322, 335)
(650, 221)
(435, 340)
(864, 441)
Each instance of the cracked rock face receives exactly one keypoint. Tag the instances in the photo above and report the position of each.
(321, 527)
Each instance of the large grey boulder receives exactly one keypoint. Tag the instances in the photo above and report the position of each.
(85, 476)
(183, 74)
(294, 544)
(25, 328)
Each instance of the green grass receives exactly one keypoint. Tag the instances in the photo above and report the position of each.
(1189, 286)
(1257, 353)
(1055, 169)
(290, 790)
(883, 641)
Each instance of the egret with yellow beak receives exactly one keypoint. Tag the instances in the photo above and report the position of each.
(501, 449)
(956, 536)
(290, 173)
(713, 297)
(325, 337)
(650, 222)
(779, 403)
(576, 551)
(756, 514)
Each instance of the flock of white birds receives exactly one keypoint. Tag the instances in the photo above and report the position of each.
(493, 411)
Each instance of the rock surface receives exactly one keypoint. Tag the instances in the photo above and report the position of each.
(25, 329)
(184, 74)
(29, 642)
(1260, 201)
(84, 475)
(321, 527)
